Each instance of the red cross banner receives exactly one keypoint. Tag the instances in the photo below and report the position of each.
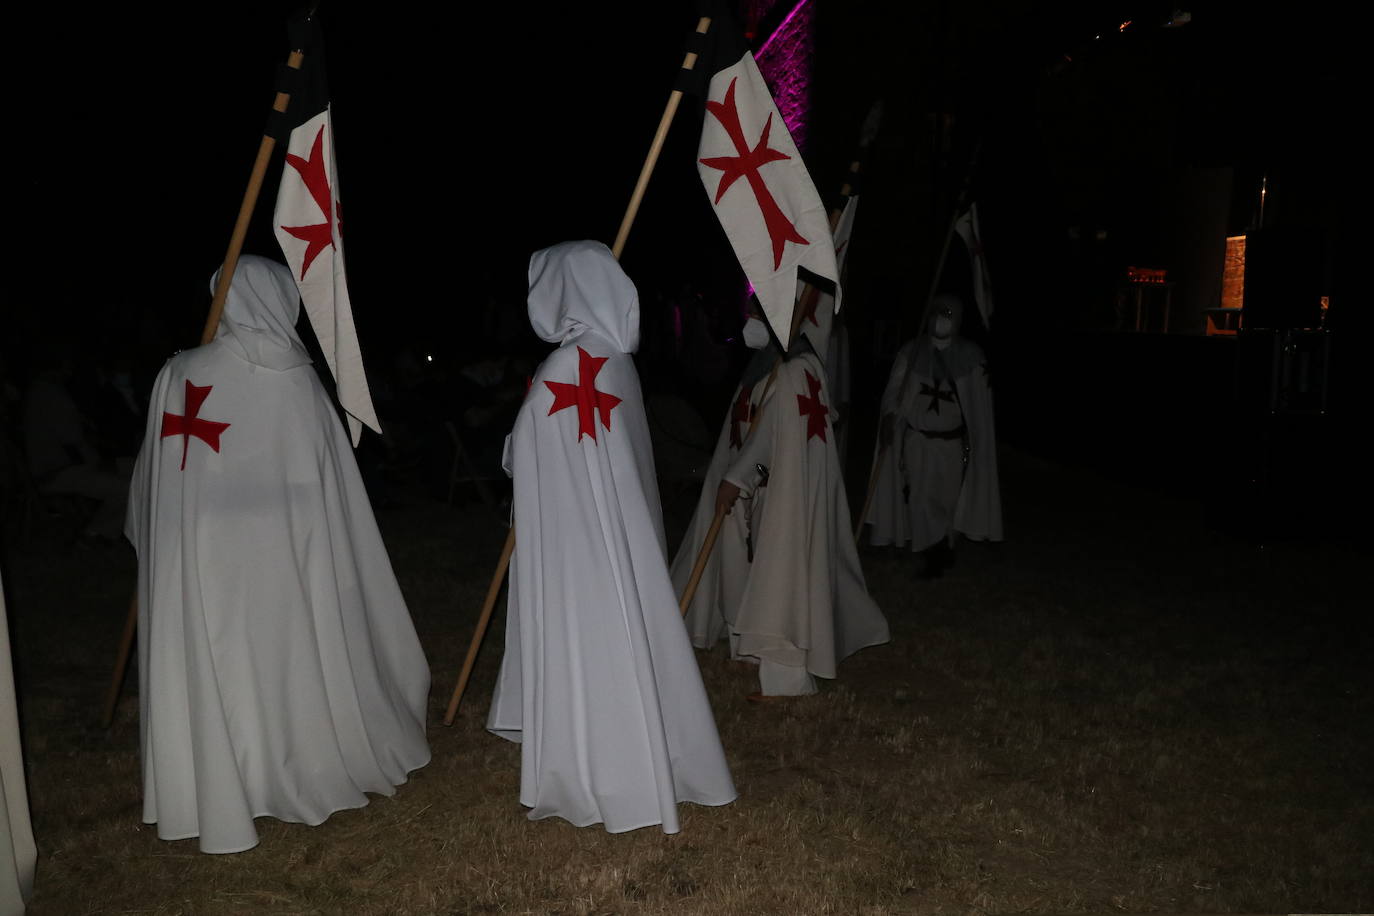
(760, 188)
(967, 227)
(308, 224)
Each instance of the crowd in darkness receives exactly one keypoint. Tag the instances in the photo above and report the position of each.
(74, 410)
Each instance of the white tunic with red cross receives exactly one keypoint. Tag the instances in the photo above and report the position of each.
(784, 581)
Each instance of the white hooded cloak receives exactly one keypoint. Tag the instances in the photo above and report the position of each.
(801, 602)
(939, 476)
(18, 854)
(279, 671)
(598, 682)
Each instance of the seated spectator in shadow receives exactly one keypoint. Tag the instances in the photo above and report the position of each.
(104, 390)
(61, 456)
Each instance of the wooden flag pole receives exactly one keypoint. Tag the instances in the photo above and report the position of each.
(631, 211)
(250, 202)
(126, 642)
(702, 556)
(493, 591)
(226, 274)
(674, 98)
(498, 578)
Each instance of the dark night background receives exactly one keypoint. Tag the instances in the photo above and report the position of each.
(471, 135)
(1154, 697)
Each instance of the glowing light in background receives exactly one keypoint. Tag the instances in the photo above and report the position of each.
(785, 60)
(1233, 273)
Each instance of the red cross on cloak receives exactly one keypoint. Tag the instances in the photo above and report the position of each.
(320, 236)
(812, 408)
(742, 413)
(747, 163)
(584, 396)
(191, 424)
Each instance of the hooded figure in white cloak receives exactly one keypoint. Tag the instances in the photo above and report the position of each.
(937, 465)
(598, 682)
(279, 671)
(783, 581)
(18, 854)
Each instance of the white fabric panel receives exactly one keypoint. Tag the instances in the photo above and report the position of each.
(323, 283)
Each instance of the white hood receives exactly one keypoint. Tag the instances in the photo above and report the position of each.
(579, 286)
(259, 320)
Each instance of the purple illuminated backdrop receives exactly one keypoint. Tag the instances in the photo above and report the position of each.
(784, 56)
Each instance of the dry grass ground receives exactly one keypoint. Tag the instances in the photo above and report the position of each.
(1116, 710)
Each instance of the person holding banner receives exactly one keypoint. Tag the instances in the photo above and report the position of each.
(598, 682)
(936, 470)
(783, 581)
(279, 671)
